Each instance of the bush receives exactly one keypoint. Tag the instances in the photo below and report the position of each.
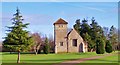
(108, 47)
(100, 46)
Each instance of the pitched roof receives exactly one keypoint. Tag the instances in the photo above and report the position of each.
(71, 31)
(60, 21)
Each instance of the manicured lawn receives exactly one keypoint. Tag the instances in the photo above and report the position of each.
(54, 58)
(108, 59)
(43, 58)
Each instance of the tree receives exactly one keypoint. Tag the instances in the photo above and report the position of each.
(85, 28)
(17, 38)
(46, 46)
(108, 47)
(51, 43)
(85, 31)
(90, 42)
(77, 25)
(96, 32)
(100, 46)
(113, 37)
(37, 42)
(106, 31)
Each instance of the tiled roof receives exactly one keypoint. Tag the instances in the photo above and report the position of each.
(60, 21)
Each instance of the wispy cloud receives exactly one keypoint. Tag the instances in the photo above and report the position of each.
(83, 7)
(97, 9)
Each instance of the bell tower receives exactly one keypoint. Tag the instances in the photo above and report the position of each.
(60, 33)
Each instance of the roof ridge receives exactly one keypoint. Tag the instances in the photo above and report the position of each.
(60, 21)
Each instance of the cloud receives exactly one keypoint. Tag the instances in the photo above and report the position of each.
(97, 9)
(75, 5)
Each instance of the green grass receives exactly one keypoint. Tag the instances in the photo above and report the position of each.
(52, 58)
(43, 58)
(108, 59)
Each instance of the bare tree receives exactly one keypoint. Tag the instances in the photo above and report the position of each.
(51, 43)
(37, 42)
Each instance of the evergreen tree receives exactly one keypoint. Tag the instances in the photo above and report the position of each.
(108, 47)
(17, 38)
(77, 25)
(100, 46)
(85, 33)
(94, 29)
(46, 46)
(85, 28)
(90, 42)
(96, 32)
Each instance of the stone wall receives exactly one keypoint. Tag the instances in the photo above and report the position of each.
(60, 31)
(75, 35)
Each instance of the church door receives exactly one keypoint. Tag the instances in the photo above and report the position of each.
(81, 47)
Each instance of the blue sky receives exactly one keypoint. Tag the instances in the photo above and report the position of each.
(42, 15)
(61, 0)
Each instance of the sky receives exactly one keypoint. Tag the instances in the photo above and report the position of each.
(42, 15)
(61, 0)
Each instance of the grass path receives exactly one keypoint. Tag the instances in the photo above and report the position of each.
(75, 62)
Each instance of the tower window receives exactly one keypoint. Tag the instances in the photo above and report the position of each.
(60, 25)
(74, 42)
(61, 43)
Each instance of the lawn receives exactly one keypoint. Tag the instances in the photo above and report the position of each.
(108, 59)
(44, 58)
(56, 58)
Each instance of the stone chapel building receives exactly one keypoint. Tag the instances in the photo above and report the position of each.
(67, 41)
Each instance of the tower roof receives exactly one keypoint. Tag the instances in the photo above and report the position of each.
(60, 21)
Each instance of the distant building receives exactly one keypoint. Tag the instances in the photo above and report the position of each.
(67, 41)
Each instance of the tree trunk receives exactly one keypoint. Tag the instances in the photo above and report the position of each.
(91, 50)
(36, 52)
(18, 60)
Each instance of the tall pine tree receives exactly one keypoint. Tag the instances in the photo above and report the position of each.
(18, 38)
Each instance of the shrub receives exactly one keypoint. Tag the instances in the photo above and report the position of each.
(108, 47)
(100, 46)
